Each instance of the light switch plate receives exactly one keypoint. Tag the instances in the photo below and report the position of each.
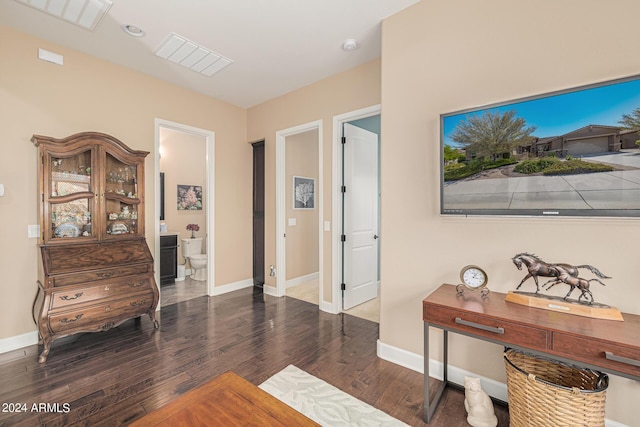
(292, 222)
(33, 231)
(327, 226)
(1, 189)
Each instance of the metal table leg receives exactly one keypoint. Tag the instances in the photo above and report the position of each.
(430, 406)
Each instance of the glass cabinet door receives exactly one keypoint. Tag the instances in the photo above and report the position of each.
(70, 195)
(122, 205)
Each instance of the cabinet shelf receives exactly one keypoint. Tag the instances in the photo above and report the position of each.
(123, 199)
(71, 197)
(70, 177)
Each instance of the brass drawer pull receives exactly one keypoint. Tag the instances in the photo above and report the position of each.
(136, 284)
(610, 356)
(106, 326)
(138, 304)
(68, 298)
(66, 320)
(106, 288)
(106, 274)
(497, 330)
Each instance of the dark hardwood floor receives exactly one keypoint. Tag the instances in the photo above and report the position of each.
(114, 377)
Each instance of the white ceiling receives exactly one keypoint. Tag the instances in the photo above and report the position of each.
(277, 45)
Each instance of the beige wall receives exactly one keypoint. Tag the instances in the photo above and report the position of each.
(442, 56)
(87, 94)
(302, 238)
(183, 162)
(342, 93)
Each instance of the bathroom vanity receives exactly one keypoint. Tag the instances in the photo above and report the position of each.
(95, 267)
(168, 258)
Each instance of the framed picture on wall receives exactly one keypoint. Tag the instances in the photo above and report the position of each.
(304, 193)
(189, 197)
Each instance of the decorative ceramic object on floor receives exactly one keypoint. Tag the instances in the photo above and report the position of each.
(478, 404)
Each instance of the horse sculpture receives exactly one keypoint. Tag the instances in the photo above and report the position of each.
(573, 282)
(537, 267)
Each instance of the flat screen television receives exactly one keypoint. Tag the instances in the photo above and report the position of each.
(574, 152)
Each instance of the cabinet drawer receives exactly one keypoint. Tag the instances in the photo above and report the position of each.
(91, 276)
(105, 289)
(101, 316)
(488, 327)
(168, 241)
(588, 350)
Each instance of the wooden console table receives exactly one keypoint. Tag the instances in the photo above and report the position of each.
(227, 400)
(603, 345)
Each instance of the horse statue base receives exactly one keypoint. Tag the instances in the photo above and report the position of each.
(569, 306)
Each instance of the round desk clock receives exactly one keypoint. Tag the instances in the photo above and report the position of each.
(473, 278)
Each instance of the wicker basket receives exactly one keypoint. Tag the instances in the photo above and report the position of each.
(551, 394)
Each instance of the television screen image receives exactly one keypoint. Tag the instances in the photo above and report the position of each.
(568, 153)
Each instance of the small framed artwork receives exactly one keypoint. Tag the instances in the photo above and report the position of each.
(189, 197)
(304, 193)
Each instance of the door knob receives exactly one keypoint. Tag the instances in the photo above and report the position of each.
(375, 236)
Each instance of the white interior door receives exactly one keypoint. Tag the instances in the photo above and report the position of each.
(360, 228)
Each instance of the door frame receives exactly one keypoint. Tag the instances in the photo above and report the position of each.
(209, 195)
(336, 197)
(281, 200)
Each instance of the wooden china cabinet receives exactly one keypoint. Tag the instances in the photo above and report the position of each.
(95, 268)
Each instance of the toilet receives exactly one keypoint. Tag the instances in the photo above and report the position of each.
(192, 250)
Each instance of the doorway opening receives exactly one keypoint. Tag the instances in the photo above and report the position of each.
(356, 213)
(179, 151)
(299, 226)
(258, 214)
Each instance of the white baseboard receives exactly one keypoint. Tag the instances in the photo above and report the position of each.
(456, 375)
(401, 357)
(329, 307)
(436, 369)
(301, 279)
(230, 287)
(19, 341)
(270, 290)
(273, 290)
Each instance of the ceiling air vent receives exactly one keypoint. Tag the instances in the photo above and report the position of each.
(182, 51)
(84, 13)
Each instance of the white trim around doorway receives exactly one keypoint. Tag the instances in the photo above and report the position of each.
(336, 199)
(209, 137)
(281, 198)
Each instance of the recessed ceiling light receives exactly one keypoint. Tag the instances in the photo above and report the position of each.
(132, 30)
(349, 44)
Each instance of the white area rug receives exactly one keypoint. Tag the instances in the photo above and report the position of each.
(322, 402)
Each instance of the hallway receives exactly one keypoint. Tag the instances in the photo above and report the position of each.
(308, 292)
